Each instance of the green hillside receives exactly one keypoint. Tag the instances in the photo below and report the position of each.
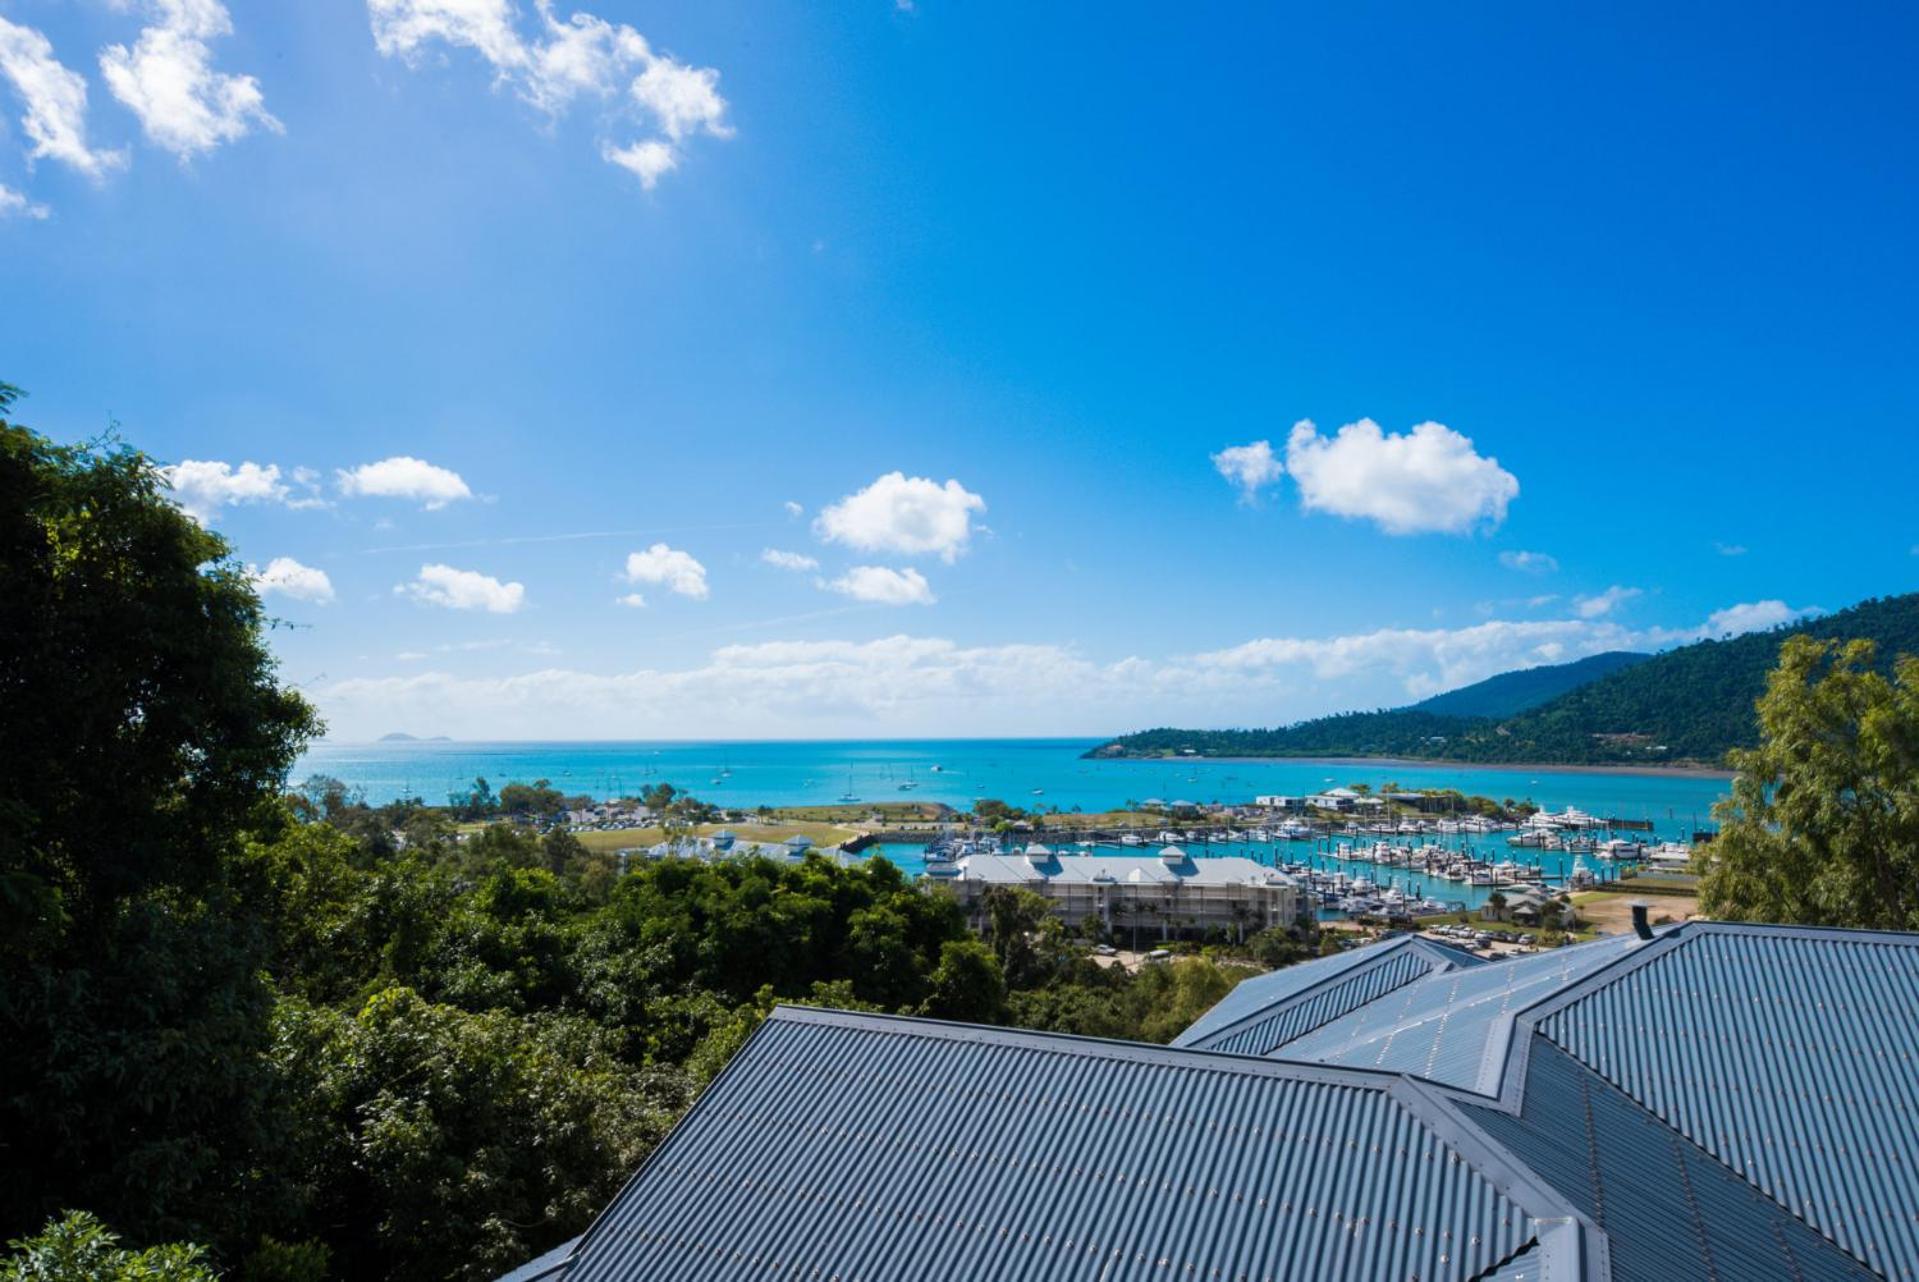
(1690, 705)
(1511, 693)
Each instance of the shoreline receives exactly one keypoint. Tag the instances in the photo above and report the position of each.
(1430, 763)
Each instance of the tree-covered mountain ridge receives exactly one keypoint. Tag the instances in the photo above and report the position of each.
(1687, 706)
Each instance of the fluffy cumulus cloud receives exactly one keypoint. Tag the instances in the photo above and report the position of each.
(667, 567)
(1428, 480)
(53, 98)
(404, 477)
(1249, 467)
(286, 577)
(15, 205)
(904, 515)
(167, 79)
(1600, 604)
(798, 562)
(554, 62)
(203, 486)
(1529, 562)
(882, 585)
(442, 585)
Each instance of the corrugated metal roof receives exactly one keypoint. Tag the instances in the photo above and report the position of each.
(1260, 1000)
(1670, 1210)
(1454, 1028)
(547, 1268)
(1524, 1267)
(1791, 1055)
(868, 1148)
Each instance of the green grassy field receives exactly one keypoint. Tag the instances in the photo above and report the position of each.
(892, 812)
(823, 834)
(1104, 819)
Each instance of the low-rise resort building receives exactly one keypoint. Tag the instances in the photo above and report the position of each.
(1707, 1101)
(1160, 895)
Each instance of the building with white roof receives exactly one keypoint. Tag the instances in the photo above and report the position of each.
(1163, 895)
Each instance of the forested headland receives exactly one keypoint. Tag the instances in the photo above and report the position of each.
(1693, 705)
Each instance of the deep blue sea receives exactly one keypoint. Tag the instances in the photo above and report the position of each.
(1023, 772)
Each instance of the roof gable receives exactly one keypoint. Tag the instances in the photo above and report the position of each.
(868, 1148)
(1270, 1010)
(1790, 1054)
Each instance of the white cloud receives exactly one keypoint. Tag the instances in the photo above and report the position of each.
(1423, 661)
(1427, 480)
(287, 577)
(685, 100)
(1730, 549)
(202, 486)
(55, 98)
(167, 80)
(795, 561)
(1603, 603)
(15, 205)
(632, 600)
(1250, 467)
(882, 586)
(443, 585)
(403, 477)
(793, 509)
(908, 516)
(563, 60)
(669, 567)
(1754, 616)
(647, 160)
(1530, 562)
(928, 686)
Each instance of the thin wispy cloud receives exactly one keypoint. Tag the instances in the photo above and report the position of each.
(1529, 562)
(167, 79)
(53, 99)
(554, 62)
(1250, 468)
(1600, 604)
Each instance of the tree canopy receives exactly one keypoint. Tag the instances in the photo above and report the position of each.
(1822, 826)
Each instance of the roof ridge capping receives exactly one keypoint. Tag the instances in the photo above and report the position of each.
(1324, 973)
(1181, 1057)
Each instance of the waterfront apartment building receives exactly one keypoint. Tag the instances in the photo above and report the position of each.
(1153, 896)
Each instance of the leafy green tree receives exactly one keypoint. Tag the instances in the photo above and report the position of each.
(78, 1248)
(1822, 826)
(967, 984)
(143, 734)
(455, 1144)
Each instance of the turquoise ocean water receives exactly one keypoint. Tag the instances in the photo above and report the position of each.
(1023, 772)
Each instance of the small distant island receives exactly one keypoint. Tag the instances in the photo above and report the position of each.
(401, 736)
(1687, 707)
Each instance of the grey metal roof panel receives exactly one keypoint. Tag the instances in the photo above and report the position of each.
(1265, 995)
(1671, 1212)
(1527, 1266)
(547, 1268)
(1791, 1055)
(868, 1148)
(1285, 1021)
(1454, 1028)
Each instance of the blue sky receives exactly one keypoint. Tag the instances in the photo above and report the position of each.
(539, 311)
